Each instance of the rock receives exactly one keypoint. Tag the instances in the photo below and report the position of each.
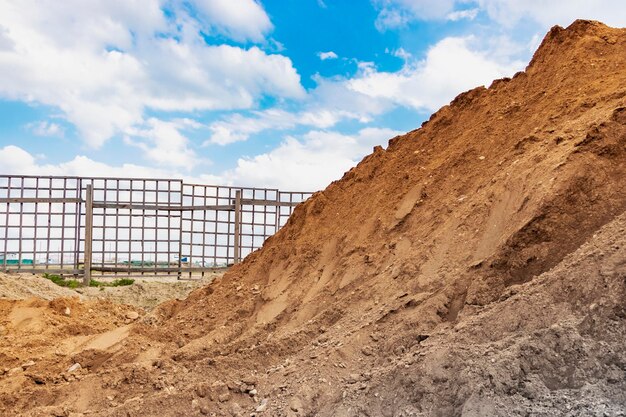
(352, 378)
(68, 311)
(367, 351)
(295, 404)
(399, 350)
(202, 389)
(236, 410)
(132, 315)
(253, 392)
(422, 337)
(224, 397)
(219, 390)
(27, 365)
(249, 380)
(74, 367)
(38, 379)
(263, 406)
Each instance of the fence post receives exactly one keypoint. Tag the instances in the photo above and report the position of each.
(88, 234)
(237, 245)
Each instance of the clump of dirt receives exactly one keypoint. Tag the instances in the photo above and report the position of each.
(447, 275)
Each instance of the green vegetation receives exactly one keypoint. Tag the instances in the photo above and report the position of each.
(122, 282)
(62, 282)
(72, 283)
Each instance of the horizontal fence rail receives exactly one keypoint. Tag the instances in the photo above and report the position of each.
(128, 227)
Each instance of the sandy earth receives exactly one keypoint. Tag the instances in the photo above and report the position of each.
(474, 267)
(145, 293)
(20, 286)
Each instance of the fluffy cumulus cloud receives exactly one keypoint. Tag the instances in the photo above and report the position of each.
(451, 66)
(306, 163)
(310, 162)
(240, 19)
(163, 144)
(548, 13)
(104, 63)
(46, 128)
(327, 55)
(398, 13)
(237, 127)
(16, 160)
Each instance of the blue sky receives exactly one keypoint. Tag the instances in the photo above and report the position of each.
(277, 93)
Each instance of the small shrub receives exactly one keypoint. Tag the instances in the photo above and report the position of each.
(117, 283)
(122, 282)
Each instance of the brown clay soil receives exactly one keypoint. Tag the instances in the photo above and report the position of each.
(476, 267)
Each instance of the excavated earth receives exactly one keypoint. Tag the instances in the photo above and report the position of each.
(475, 267)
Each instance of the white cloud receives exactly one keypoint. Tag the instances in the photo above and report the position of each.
(327, 55)
(16, 160)
(309, 163)
(402, 54)
(398, 13)
(563, 12)
(237, 128)
(240, 19)
(105, 62)
(469, 14)
(163, 144)
(45, 128)
(300, 164)
(6, 43)
(450, 67)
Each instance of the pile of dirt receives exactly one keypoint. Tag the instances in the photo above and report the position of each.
(146, 293)
(21, 286)
(447, 275)
(37, 336)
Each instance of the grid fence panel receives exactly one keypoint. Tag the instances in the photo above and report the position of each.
(139, 227)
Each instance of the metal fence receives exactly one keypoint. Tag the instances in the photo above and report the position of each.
(128, 227)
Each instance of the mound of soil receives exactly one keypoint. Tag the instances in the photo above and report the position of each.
(21, 286)
(474, 267)
(147, 293)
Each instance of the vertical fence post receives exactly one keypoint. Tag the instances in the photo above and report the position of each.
(237, 244)
(88, 234)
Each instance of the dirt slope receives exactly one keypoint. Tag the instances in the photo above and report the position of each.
(445, 275)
